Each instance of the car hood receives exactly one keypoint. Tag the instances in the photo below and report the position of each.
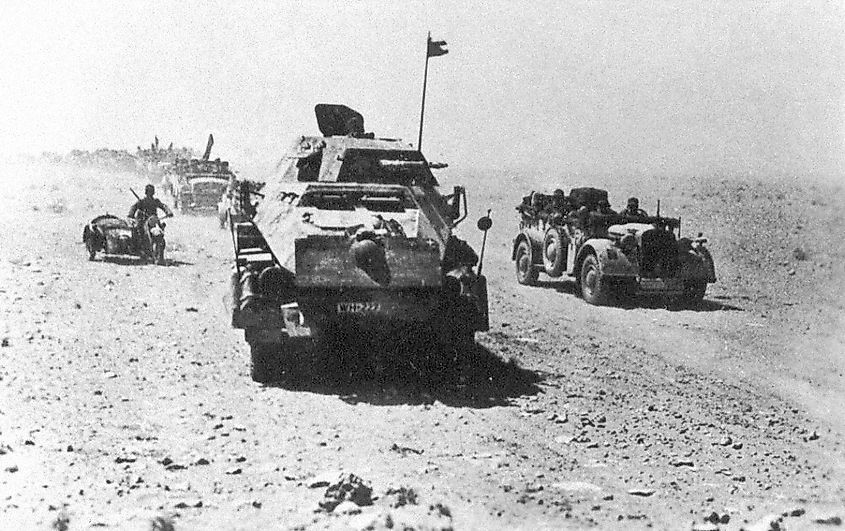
(629, 228)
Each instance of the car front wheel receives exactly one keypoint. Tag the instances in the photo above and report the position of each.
(593, 287)
(526, 274)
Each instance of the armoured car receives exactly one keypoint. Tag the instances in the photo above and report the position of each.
(352, 238)
(609, 255)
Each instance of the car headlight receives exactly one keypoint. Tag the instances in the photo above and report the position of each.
(628, 243)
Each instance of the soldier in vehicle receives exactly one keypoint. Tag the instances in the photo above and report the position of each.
(633, 209)
(604, 208)
(145, 208)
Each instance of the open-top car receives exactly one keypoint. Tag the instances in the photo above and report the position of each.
(610, 256)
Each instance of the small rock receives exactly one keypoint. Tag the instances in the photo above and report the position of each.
(187, 504)
(795, 512)
(641, 492)
(233, 471)
(790, 272)
(12, 469)
(813, 437)
(347, 507)
(348, 487)
(706, 526)
(162, 523)
(725, 441)
(122, 459)
(770, 522)
(202, 461)
(191, 309)
(830, 520)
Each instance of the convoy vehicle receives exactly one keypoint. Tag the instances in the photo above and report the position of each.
(113, 235)
(609, 255)
(352, 239)
(198, 184)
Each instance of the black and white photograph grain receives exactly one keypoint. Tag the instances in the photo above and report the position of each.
(422, 265)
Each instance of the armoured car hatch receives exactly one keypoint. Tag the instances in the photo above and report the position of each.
(338, 120)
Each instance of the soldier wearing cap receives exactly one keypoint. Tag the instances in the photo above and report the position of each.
(604, 208)
(633, 209)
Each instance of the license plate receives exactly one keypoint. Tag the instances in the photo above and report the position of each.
(358, 307)
(659, 284)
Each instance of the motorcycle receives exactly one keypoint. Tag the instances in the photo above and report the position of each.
(113, 235)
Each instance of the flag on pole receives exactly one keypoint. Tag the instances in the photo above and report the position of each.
(436, 48)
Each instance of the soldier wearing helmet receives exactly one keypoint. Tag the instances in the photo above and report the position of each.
(149, 205)
(143, 210)
(604, 208)
(633, 209)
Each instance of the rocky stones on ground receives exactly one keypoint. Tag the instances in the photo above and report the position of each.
(348, 487)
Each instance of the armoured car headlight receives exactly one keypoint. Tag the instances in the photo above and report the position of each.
(452, 285)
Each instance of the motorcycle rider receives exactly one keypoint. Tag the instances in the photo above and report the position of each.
(144, 209)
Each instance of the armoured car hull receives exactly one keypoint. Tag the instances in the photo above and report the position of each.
(352, 238)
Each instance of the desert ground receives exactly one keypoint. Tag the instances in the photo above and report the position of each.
(126, 401)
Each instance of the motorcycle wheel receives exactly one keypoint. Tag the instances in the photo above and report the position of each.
(158, 252)
(92, 251)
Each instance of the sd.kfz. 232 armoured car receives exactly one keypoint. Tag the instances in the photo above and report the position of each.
(609, 255)
(352, 238)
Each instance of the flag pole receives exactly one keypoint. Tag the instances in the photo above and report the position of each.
(425, 80)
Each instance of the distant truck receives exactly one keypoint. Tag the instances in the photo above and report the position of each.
(610, 256)
(352, 239)
(197, 185)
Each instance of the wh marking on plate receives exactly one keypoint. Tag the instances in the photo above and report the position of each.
(358, 307)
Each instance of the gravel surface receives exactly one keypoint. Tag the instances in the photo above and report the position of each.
(126, 402)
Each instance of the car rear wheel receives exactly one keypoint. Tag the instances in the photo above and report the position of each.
(593, 287)
(694, 291)
(92, 251)
(554, 252)
(526, 274)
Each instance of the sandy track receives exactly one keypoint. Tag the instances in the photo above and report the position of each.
(120, 402)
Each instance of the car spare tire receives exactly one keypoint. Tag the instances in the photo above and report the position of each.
(555, 246)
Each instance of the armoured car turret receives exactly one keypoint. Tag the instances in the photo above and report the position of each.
(352, 238)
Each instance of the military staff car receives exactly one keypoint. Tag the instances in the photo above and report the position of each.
(610, 256)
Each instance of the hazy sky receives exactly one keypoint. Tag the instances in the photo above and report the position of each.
(573, 87)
